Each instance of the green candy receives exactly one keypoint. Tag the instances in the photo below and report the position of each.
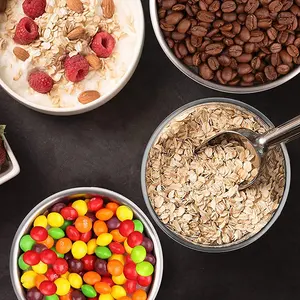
(144, 268)
(56, 233)
(26, 242)
(60, 255)
(52, 297)
(66, 224)
(138, 254)
(88, 291)
(22, 265)
(103, 252)
(138, 226)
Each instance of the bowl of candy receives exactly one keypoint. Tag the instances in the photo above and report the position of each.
(86, 243)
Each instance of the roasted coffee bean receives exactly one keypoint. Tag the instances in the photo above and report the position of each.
(290, 40)
(255, 63)
(213, 63)
(251, 22)
(214, 49)
(272, 33)
(260, 77)
(234, 74)
(282, 37)
(205, 72)
(215, 6)
(283, 69)
(170, 42)
(245, 34)
(218, 23)
(196, 41)
(189, 46)
(244, 69)
(292, 50)
(212, 32)
(236, 27)
(167, 34)
(198, 31)
(240, 9)
(178, 7)
(275, 6)
(183, 50)
(204, 44)
(251, 6)
(297, 42)
(228, 42)
(176, 51)
(204, 57)
(295, 10)
(275, 59)
(174, 18)
(249, 47)
(285, 57)
(235, 50)
(167, 4)
(206, 16)
(217, 37)
(285, 18)
(228, 6)
(162, 13)
(265, 2)
(196, 59)
(189, 10)
(296, 60)
(166, 27)
(246, 84)
(195, 8)
(270, 73)
(188, 60)
(224, 60)
(177, 36)
(203, 5)
(287, 5)
(226, 74)
(248, 78)
(244, 58)
(219, 77)
(242, 18)
(238, 41)
(275, 48)
(264, 23)
(228, 34)
(234, 82)
(256, 36)
(204, 24)
(194, 22)
(229, 17)
(183, 25)
(226, 27)
(280, 27)
(262, 13)
(219, 13)
(233, 63)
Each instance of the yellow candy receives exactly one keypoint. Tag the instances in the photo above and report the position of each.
(79, 249)
(118, 291)
(40, 221)
(80, 206)
(106, 297)
(104, 239)
(118, 257)
(124, 213)
(121, 279)
(55, 219)
(28, 279)
(66, 275)
(40, 268)
(63, 286)
(128, 249)
(91, 246)
(75, 280)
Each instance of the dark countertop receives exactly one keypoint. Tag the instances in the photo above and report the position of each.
(104, 148)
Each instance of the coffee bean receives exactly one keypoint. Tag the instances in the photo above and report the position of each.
(196, 41)
(248, 78)
(217, 37)
(235, 50)
(206, 16)
(240, 9)
(236, 27)
(162, 13)
(282, 37)
(188, 60)
(204, 44)
(176, 51)
(205, 72)
(285, 18)
(218, 23)
(228, 6)
(245, 34)
(224, 60)
(219, 13)
(204, 24)
(290, 40)
(215, 6)
(251, 6)
(233, 63)
(167, 4)
(272, 33)
(189, 11)
(249, 47)
(228, 42)
(170, 42)
(275, 6)
(174, 18)
(283, 69)
(212, 32)
(177, 36)
(183, 25)
(203, 5)
(275, 48)
(189, 46)
(228, 34)
(287, 5)
(292, 51)
(297, 42)
(275, 59)
(195, 8)
(295, 9)
(234, 82)
(182, 50)
(246, 84)
(255, 63)
(226, 27)
(178, 7)
(238, 41)
(244, 69)
(270, 73)
(264, 23)
(204, 57)
(244, 58)
(285, 57)
(229, 17)
(198, 31)
(242, 18)
(256, 36)
(214, 49)
(213, 63)
(234, 75)
(262, 13)
(280, 27)
(296, 60)
(166, 27)
(196, 59)
(226, 74)
(251, 22)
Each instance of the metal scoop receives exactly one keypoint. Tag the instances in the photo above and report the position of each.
(258, 144)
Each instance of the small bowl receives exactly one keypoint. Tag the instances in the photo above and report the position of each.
(80, 193)
(244, 241)
(79, 109)
(194, 76)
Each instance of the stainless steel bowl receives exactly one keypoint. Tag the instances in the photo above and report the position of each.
(247, 240)
(210, 84)
(80, 193)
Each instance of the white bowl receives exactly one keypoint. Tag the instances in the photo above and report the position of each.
(13, 166)
(138, 17)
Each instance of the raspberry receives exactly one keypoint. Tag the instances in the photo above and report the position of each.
(34, 8)
(76, 68)
(26, 31)
(103, 44)
(40, 82)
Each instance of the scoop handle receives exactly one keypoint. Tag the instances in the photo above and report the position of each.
(282, 134)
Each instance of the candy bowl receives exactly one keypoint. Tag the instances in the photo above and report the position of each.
(192, 191)
(86, 243)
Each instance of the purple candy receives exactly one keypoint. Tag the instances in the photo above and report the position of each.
(57, 207)
(75, 265)
(150, 258)
(91, 216)
(101, 267)
(34, 294)
(77, 295)
(113, 223)
(38, 248)
(148, 244)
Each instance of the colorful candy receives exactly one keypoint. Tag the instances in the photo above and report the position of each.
(26, 242)
(138, 254)
(138, 226)
(56, 233)
(144, 268)
(63, 286)
(79, 249)
(31, 258)
(55, 219)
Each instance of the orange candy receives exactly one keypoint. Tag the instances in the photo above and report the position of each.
(112, 206)
(104, 214)
(48, 242)
(67, 297)
(125, 298)
(83, 224)
(100, 227)
(115, 267)
(139, 295)
(91, 277)
(63, 245)
(102, 288)
(39, 279)
(117, 236)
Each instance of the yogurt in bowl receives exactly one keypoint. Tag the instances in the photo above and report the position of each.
(65, 33)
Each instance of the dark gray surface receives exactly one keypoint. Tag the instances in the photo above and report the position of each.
(105, 147)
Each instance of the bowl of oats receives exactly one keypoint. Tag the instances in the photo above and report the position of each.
(194, 196)
(66, 57)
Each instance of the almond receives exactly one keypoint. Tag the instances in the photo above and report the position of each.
(76, 33)
(108, 8)
(88, 96)
(21, 53)
(94, 61)
(75, 5)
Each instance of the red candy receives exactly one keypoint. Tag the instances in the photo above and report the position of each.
(128, 259)
(108, 280)
(116, 248)
(88, 262)
(72, 233)
(126, 227)
(39, 233)
(34, 8)
(144, 280)
(85, 237)
(76, 68)
(40, 81)
(130, 286)
(26, 31)
(103, 44)
(134, 239)
(69, 213)
(95, 204)
(48, 256)
(51, 275)
(31, 258)
(47, 288)
(60, 267)
(130, 271)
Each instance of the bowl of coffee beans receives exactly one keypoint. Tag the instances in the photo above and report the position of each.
(235, 46)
